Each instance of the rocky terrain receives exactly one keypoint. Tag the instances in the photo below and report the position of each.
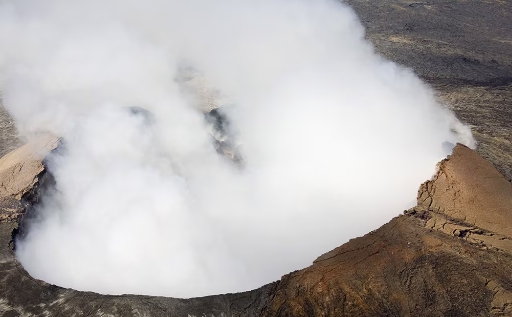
(462, 49)
(448, 256)
(451, 255)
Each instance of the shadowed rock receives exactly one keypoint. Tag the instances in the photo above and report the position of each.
(448, 256)
(20, 171)
(445, 257)
(19, 168)
(428, 262)
(23, 175)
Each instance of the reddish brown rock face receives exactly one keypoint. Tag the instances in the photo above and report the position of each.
(449, 256)
(19, 168)
(468, 188)
(428, 262)
(402, 269)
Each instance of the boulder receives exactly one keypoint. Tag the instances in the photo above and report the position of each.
(20, 171)
(23, 176)
(469, 198)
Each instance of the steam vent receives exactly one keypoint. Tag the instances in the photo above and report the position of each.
(449, 255)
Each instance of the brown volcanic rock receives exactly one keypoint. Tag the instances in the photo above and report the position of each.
(23, 177)
(19, 169)
(469, 189)
(462, 49)
(449, 256)
(423, 263)
(469, 199)
(401, 269)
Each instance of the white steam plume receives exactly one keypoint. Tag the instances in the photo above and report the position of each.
(334, 139)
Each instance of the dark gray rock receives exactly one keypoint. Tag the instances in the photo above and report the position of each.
(419, 264)
(9, 139)
(23, 179)
(462, 49)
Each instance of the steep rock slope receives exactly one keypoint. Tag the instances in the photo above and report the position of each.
(20, 172)
(22, 178)
(448, 256)
(445, 257)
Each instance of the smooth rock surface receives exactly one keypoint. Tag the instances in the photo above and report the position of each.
(469, 189)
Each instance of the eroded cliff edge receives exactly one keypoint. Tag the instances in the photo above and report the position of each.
(448, 256)
(451, 255)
